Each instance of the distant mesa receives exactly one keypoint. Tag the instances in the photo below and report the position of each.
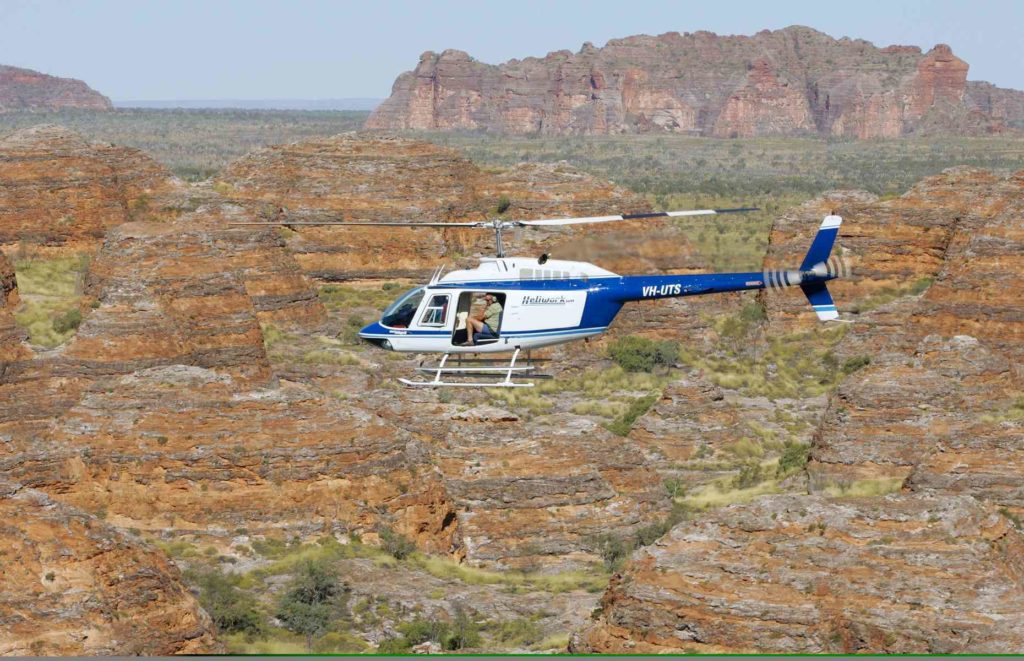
(24, 89)
(790, 82)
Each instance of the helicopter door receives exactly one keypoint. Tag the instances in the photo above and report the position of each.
(470, 302)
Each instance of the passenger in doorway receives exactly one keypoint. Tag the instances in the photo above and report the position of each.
(484, 325)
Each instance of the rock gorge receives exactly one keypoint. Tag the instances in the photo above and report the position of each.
(212, 398)
(794, 81)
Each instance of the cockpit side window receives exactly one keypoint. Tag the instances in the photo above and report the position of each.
(436, 311)
(400, 313)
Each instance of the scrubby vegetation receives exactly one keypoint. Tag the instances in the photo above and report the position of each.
(640, 354)
(296, 599)
(312, 600)
(663, 165)
(51, 293)
(622, 424)
(194, 144)
(615, 549)
(791, 366)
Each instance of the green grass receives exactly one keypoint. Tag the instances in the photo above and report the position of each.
(593, 580)
(863, 488)
(608, 392)
(622, 424)
(797, 365)
(50, 290)
(346, 297)
(718, 495)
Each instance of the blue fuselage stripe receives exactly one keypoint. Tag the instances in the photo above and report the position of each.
(605, 296)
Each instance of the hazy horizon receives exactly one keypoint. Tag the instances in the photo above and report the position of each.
(315, 49)
(357, 103)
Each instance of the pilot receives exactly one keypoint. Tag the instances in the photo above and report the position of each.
(485, 325)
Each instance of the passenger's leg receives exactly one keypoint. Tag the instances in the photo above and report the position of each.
(473, 326)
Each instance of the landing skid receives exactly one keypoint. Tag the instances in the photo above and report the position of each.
(474, 372)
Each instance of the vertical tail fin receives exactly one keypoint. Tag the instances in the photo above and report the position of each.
(821, 247)
(817, 262)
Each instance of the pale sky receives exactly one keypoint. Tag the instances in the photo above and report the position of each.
(310, 49)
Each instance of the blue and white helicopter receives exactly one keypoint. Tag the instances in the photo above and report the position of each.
(544, 302)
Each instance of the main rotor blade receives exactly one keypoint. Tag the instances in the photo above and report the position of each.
(630, 216)
(288, 223)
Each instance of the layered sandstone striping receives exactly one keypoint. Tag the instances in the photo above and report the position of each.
(190, 449)
(190, 292)
(74, 585)
(904, 574)
(56, 188)
(24, 89)
(931, 292)
(794, 81)
(376, 179)
(544, 494)
(11, 336)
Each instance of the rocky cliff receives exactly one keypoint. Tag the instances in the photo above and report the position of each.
(73, 584)
(359, 178)
(24, 89)
(931, 408)
(904, 574)
(794, 81)
(56, 188)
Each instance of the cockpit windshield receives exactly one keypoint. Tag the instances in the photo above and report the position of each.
(400, 313)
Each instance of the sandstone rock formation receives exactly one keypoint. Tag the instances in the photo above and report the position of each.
(932, 294)
(904, 573)
(74, 585)
(794, 81)
(24, 89)
(10, 335)
(191, 449)
(358, 178)
(188, 292)
(56, 188)
(541, 495)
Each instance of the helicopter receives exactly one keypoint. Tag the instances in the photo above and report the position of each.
(544, 302)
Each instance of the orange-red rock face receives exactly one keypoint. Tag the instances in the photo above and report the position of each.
(24, 89)
(904, 573)
(933, 299)
(58, 189)
(349, 177)
(11, 336)
(793, 81)
(73, 585)
(194, 450)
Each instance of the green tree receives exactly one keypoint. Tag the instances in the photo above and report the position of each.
(231, 609)
(640, 354)
(398, 545)
(311, 601)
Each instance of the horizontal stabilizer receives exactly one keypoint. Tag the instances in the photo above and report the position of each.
(821, 300)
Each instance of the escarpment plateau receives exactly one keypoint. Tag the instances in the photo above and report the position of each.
(24, 89)
(794, 81)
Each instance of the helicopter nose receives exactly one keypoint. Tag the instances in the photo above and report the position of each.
(373, 333)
